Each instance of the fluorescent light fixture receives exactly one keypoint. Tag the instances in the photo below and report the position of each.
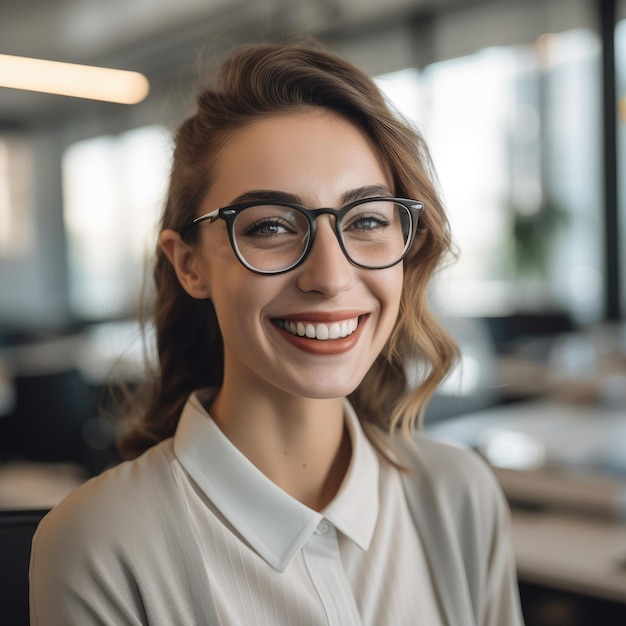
(69, 79)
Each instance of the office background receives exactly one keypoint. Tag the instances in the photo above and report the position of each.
(523, 103)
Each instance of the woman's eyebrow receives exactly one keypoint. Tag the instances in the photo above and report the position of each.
(270, 195)
(266, 195)
(368, 191)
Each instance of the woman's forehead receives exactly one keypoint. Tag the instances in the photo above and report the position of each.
(314, 154)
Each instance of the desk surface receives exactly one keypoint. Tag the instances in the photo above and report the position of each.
(572, 466)
(579, 554)
(564, 435)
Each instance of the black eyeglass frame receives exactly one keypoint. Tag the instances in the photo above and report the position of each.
(415, 209)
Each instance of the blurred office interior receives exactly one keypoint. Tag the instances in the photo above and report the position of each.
(523, 103)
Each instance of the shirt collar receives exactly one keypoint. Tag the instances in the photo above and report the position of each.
(272, 522)
(354, 510)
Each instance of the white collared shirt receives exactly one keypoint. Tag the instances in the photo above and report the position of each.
(272, 560)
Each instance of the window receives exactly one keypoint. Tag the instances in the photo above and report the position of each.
(514, 131)
(17, 226)
(468, 121)
(113, 195)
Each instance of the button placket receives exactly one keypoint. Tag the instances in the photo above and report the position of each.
(323, 562)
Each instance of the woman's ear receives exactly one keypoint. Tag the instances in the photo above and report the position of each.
(184, 261)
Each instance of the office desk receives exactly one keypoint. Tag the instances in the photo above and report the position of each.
(566, 481)
(581, 554)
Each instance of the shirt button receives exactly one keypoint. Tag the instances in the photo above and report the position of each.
(323, 528)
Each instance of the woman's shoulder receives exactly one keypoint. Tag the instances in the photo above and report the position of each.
(447, 460)
(463, 518)
(115, 551)
(119, 499)
(456, 476)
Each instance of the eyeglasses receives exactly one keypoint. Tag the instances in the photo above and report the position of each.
(273, 238)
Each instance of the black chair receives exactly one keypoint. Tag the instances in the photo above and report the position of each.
(16, 532)
(51, 411)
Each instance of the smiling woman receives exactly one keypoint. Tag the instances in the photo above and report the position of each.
(269, 482)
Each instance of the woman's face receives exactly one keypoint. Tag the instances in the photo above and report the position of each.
(320, 159)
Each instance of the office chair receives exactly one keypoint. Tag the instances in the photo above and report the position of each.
(16, 532)
(51, 410)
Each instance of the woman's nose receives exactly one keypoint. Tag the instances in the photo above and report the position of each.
(326, 269)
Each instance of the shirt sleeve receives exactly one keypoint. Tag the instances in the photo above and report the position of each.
(118, 550)
(75, 578)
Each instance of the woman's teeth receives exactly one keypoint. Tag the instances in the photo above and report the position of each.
(337, 330)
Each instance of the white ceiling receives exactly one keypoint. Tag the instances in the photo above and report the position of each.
(164, 38)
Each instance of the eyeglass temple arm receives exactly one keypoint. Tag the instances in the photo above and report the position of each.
(211, 216)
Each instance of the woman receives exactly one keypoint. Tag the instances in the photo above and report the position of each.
(300, 232)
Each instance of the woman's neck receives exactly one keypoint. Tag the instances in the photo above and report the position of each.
(300, 444)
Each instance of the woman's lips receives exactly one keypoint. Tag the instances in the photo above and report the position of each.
(322, 337)
(318, 330)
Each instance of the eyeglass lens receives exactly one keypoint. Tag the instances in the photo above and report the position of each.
(273, 238)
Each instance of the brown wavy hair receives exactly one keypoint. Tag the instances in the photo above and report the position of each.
(256, 81)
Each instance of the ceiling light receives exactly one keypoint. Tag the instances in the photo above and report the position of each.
(69, 79)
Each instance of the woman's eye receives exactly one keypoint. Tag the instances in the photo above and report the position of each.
(268, 227)
(367, 222)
